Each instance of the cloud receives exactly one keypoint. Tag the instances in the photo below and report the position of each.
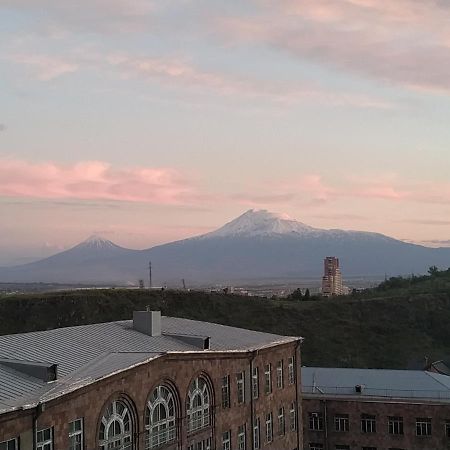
(44, 67)
(402, 42)
(93, 180)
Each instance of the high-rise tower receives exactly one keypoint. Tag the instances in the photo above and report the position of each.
(332, 277)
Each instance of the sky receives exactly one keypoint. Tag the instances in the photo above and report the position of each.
(146, 121)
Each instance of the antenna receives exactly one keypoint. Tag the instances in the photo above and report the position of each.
(150, 275)
(184, 283)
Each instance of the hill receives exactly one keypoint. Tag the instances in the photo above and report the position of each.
(390, 327)
(256, 245)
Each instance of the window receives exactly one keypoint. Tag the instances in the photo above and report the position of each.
(293, 417)
(369, 448)
(160, 420)
(226, 392)
(256, 434)
(205, 444)
(280, 374)
(341, 422)
(316, 421)
(240, 379)
(226, 443)
(198, 406)
(76, 435)
(116, 428)
(423, 427)
(342, 447)
(291, 370)
(368, 424)
(395, 425)
(44, 439)
(255, 383)
(9, 445)
(269, 427)
(447, 428)
(241, 438)
(268, 378)
(315, 446)
(281, 422)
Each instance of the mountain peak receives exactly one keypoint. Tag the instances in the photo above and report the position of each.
(260, 223)
(98, 242)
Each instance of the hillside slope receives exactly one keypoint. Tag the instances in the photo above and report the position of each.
(390, 330)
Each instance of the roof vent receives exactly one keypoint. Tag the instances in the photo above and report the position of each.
(359, 388)
(147, 322)
(201, 342)
(44, 371)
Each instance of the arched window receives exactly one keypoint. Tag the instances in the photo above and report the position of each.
(160, 418)
(116, 427)
(198, 405)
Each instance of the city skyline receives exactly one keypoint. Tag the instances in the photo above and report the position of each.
(151, 121)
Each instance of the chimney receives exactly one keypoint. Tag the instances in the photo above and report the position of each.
(147, 322)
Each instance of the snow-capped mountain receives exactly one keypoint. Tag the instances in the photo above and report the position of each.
(256, 245)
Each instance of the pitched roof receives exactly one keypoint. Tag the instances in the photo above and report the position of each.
(398, 384)
(84, 354)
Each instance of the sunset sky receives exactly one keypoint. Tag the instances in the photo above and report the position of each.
(146, 121)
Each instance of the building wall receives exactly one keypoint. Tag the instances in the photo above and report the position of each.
(137, 384)
(382, 440)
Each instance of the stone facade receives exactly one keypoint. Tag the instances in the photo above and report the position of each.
(178, 370)
(331, 408)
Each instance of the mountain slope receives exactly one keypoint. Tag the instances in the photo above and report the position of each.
(256, 245)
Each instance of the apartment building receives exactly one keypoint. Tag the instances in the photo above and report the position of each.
(149, 383)
(332, 277)
(365, 409)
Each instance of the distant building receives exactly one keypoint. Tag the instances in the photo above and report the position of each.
(332, 277)
(369, 409)
(150, 383)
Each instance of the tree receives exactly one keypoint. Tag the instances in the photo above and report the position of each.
(307, 294)
(296, 295)
(433, 271)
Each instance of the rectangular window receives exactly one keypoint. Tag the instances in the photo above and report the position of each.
(395, 425)
(44, 439)
(240, 379)
(368, 424)
(291, 370)
(268, 378)
(280, 382)
(226, 442)
(226, 391)
(256, 434)
(281, 422)
(255, 383)
(269, 427)
(293, 417)
(423, 427)
(369, 448)
(242, 445)
(316, 421)
(11, 444)
(341, 422)
(342, 447)
(76, 435)
(315, 446)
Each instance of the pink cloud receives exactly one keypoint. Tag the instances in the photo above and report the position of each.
(93, 180)
(401, 42)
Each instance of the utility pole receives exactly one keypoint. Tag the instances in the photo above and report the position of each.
(150, 275)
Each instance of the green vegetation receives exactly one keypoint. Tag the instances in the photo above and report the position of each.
(393, 326)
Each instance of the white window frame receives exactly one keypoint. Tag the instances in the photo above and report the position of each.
(368, 424)
(291, 370)
(240, 383)
(74, 434)
(256, 434)
(226, 440)
(315, 421)
(313, 446)
(281, 422)
(280, 380)
(423, 426)
(162, 430)
(44, 443)
(199, 416)
(255, 383)
(7, 443)
(293, 417)
(269, 427)
(112, 415)
(395, 425)
(226, 401)
(341, 423)
(268, 379)
(241, 438)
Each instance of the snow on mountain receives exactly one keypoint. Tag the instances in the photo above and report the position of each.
(97, 242)
(261, 223)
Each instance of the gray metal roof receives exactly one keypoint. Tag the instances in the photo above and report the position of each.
(88, 353)
(398, 384)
